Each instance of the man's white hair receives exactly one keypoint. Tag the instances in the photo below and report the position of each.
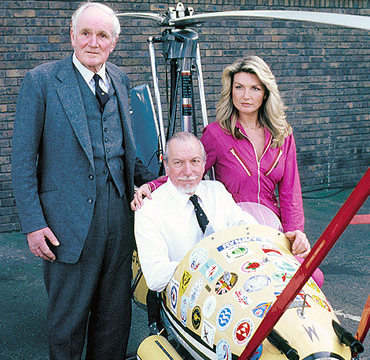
(76, 15)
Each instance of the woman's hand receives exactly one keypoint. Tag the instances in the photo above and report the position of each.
(300, 244)
(142, 192)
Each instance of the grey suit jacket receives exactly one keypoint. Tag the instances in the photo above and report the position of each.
(53, 166)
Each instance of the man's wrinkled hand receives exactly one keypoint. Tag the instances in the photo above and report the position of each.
(300, 244)
(38, 245)
(142, 192)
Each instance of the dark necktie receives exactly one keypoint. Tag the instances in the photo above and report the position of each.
(201, 216)
(100, 94)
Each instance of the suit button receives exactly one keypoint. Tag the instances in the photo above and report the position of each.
(91, 177)
(90, 201)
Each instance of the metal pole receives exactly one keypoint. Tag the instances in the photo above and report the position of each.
(202, 96)
(157, 93)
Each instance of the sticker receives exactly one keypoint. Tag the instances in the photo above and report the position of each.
(195, 292)
(261, 309)
(272, 252)
(223, 350)
(257, 354)
(262, 241)
(223, 285)
(281, 277)
(312, 284)
(256, 283)
(208, 333)
(321, 302)
(242, 298)
(185, 279)
(231, 243)
(224, 317)
(209, 306)
(243, 331)
(211, 270)
(297, 302)
(184, 310)
(236, 252)
(197, 258)
(285, 266)
(252, 266)
(174, 292)
(196, 317)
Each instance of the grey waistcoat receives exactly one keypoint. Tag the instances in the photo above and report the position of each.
(106, 137)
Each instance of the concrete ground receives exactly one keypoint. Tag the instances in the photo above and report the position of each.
(23, 297)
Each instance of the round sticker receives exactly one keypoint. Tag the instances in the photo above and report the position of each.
(243, 331)
(184, 309)
(196, 317)
(285, 266)
(225, 283)
(209, 306)
(197, 258)
(252, 266)
(256, 283)
(195, 292)
(224, 317)
(281, 277)
(223, 350)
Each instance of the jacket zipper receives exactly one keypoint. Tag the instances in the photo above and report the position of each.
(258, 165)
(274, 163)
(241, 161)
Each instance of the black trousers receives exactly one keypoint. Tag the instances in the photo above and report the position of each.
(94, 293)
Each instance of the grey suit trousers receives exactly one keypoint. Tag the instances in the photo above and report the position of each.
(94, 293)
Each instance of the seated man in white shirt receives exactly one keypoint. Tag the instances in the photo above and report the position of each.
(166, 227)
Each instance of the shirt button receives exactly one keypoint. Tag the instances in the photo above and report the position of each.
(107, 151)
(105, 129)
(91, 177)
(105, 119)
(90, 201)
(105, 171)
(106, 139)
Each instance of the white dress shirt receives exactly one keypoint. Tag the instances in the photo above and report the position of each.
(88, 75)
(166, 227)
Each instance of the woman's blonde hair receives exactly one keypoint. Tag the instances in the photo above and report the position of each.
(272, 111)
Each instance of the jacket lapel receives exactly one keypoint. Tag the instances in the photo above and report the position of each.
(70, 97)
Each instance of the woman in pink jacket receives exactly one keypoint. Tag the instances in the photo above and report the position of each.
(251, 145)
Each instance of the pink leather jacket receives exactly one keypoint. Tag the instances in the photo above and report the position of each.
(249, 180)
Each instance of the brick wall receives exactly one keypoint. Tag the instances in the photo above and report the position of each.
(322, 72)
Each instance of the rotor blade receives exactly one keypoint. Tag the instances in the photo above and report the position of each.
(147, 16)
(364, 325)
(354, 21)
(313, 260)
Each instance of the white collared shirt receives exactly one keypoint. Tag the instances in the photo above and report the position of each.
(88, 75)
(166, 227)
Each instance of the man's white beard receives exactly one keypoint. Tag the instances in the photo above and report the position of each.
(188, 189)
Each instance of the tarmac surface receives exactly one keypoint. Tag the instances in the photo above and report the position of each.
(23, 297)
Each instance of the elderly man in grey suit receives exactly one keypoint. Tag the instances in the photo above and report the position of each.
(74, 170)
